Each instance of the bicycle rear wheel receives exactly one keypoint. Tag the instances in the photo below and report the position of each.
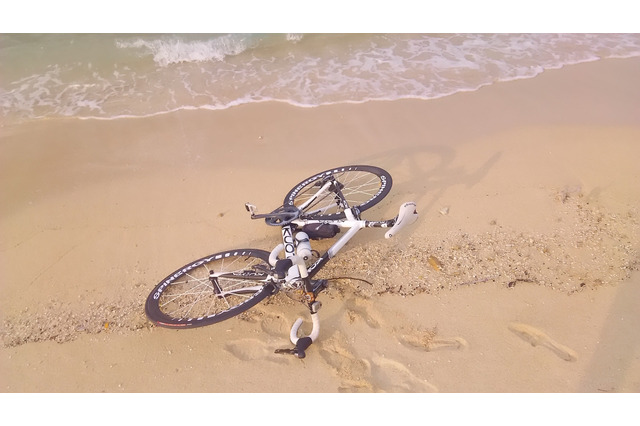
(211, 289)
(360, 186)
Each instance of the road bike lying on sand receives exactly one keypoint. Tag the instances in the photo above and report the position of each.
(222, 285)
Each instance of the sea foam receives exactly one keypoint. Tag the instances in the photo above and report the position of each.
(113, 76)
(170, 50)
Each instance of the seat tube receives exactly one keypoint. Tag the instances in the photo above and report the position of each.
(289, 250)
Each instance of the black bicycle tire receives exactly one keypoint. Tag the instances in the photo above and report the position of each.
(155, 314)
(385, 186)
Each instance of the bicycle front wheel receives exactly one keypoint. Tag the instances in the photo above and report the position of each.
(211, 289)
(355, 186)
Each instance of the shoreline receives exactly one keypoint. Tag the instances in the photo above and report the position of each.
(538, 179)
(298, 105)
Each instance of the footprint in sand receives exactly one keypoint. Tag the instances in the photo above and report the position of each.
(359, 308)
(388, 375)
(275, 325)
(378, 375)
(537, 337)
(252, 349)
(454, 343)
(427, 340)
(352, 371)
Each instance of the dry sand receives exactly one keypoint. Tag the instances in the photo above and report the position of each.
(521, 274)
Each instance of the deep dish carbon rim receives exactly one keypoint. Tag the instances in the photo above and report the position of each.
(362, 187)
(189, 297)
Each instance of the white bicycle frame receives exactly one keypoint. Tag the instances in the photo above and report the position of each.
(407, 215)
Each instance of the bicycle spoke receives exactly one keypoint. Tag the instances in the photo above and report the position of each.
(195, 299)
(176, 296)
(357, 188)
(323, 209)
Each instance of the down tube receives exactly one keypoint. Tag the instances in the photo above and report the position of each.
(333, 250)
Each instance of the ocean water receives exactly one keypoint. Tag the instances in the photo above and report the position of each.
(114, 76)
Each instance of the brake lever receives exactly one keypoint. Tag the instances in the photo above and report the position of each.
(251, 209)
(301, 346)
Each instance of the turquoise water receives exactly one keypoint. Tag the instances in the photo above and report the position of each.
(111, 76)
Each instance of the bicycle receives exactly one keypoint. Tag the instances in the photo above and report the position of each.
(220, 286)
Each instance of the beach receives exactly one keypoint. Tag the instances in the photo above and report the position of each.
(521, 274)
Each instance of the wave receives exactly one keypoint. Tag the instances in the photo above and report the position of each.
(170, 50)
(121, 76)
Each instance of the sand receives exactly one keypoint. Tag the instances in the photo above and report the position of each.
(521, 274)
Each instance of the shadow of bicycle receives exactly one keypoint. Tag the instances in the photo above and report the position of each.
(426, 172)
